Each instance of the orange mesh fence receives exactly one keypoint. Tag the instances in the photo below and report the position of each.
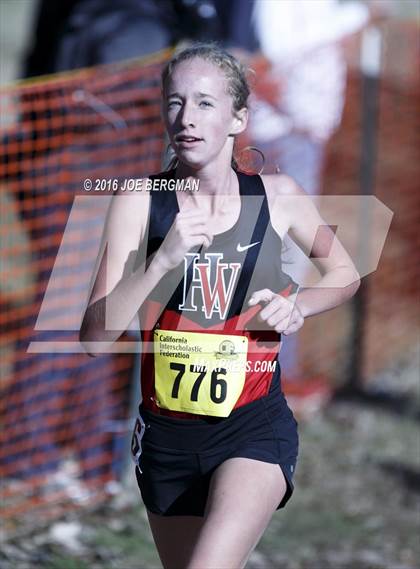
(63, 415)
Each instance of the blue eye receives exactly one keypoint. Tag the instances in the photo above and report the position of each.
(173, 103)
(205, 104)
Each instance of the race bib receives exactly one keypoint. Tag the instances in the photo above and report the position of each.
(199, 373)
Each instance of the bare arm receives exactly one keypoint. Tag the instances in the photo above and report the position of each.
(293, 210)
(110, 309)
(119, 287)
(340, 279)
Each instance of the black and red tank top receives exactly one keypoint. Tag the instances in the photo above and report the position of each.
(209, 291)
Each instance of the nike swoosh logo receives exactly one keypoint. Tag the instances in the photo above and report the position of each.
(240, 248)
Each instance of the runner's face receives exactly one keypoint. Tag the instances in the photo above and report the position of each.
(198, 112)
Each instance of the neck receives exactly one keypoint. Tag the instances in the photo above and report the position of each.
(213, 180)
(217, 186)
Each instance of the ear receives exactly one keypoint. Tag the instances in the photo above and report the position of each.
(240, 121)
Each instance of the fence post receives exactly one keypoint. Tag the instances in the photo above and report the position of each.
(370, 64)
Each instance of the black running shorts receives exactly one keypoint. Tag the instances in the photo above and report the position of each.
(175, 458)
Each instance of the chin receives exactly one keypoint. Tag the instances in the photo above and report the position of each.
(191, 162)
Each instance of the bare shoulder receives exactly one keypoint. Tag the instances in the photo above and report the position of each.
(126, 221)
(281, 185)
(129, 210)
(124, 229)
(285, 198)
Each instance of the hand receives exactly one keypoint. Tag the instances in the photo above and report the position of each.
(189, 229)
(279, 312)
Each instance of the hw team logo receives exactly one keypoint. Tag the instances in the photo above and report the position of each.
(212, 280)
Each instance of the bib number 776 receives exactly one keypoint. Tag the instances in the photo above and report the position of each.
(218, 386)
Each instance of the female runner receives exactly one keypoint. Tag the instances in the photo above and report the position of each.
(215, 443)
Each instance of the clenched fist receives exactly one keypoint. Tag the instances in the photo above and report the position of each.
(189, 229)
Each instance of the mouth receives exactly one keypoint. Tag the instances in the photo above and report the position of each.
(187, 140)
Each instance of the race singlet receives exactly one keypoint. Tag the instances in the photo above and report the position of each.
(199, 373)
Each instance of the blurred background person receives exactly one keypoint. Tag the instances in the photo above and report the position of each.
(292, 125)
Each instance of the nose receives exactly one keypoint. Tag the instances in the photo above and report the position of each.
(188, 115)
